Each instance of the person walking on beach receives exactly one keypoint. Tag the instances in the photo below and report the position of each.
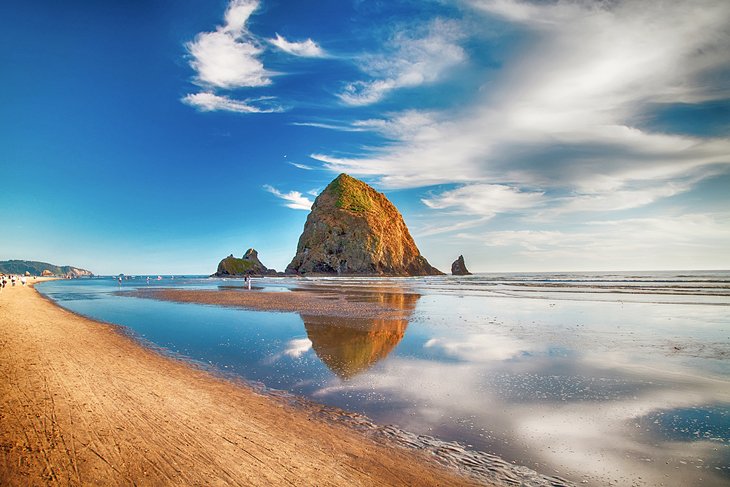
(12, 280)
(23, 280)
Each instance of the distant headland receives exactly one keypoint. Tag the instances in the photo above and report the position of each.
(35, 268)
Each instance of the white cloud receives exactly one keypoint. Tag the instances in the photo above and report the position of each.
(237, 15)
(478, 348)
(411, 61)
(484, 199)
(413, 125)
(439, 228)
(302, 166)
(330, 126)
(208, 102)
(296, 200)
(307, 48)
(614, 200)
(562, 114)
(228, 57)
(682, 241)
(298, 347)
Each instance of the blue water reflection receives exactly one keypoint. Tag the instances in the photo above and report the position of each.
(580, 387)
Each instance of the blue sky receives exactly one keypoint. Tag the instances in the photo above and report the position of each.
(160, 136)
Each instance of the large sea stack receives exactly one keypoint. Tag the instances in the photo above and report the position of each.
(354, 230)
(248, 265)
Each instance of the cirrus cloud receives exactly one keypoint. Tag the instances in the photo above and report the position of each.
(295, 199)
(564, 113)
(410, 61)
(484, 199)
(307, 48)
(208, 102)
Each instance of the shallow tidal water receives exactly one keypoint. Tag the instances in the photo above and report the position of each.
(595, 378)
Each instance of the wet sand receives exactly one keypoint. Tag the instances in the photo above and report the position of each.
(386, 306)
(81, 403)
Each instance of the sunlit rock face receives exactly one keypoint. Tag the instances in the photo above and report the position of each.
(350, 346)
(354, 230)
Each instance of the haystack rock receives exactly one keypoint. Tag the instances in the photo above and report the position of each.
(354, 230)
(249, 264)
(458, 268)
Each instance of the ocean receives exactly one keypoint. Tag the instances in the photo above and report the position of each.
(594, 378)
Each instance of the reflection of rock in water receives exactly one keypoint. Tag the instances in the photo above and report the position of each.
(349, 346)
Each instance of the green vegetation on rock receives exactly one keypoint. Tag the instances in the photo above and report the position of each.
(352, 195)
(235, 265)
(249, 264)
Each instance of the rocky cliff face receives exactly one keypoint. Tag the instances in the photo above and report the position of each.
(353, 229)
(458, 268)
(249, 264)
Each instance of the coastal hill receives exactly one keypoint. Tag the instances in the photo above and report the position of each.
(355, 230)
(36, 268)
(248, 265)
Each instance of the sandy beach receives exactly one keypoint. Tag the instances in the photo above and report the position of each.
(376, 304)
(82, 403)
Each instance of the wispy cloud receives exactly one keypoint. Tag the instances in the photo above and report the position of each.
(484, 199)
(410, 61)
(438, 228)
(208, 102)
(228, 57)
(683, 241)
(295, 199)
(564, 112)
(330, 126)
(307, 48)
(298, 347)
(302, 166)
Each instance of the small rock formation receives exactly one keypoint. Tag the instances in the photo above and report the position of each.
(354, 230)
(458, 268)
(248, 265)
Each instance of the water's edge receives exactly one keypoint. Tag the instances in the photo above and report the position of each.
(477, 465)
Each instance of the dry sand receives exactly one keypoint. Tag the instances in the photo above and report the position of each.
(81, 403)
